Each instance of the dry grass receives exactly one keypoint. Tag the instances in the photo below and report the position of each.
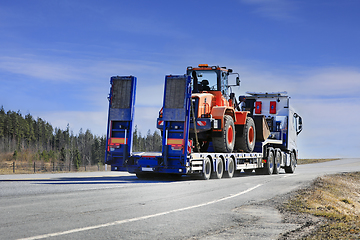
(319, 160)
(335, 197)
(25, 165)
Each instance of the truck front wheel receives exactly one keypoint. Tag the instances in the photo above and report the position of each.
(293, 162)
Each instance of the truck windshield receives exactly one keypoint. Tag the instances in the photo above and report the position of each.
(207, 80)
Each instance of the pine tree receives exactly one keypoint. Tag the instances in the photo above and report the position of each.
(2, 123)
(62, 155)
(77, 159)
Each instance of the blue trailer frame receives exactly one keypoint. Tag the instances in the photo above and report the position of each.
(177, 156)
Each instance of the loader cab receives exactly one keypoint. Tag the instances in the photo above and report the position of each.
(205, 78)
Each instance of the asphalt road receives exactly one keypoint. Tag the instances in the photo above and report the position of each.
(115, 205)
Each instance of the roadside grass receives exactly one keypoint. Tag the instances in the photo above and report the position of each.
(26, 163)
(337, 199)
(319, 160)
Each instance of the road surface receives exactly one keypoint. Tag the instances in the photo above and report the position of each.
(116, 205)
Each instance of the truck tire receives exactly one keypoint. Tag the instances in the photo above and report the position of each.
(293, 162)
(226, 142)
(277, 161)
(269, 166)
(207, 169)
(218, 173)
(231, 168)
(246, 141)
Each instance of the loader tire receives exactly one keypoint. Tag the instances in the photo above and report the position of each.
(226, 142)
(246, 141)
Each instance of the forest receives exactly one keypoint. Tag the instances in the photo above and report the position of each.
(29, 139)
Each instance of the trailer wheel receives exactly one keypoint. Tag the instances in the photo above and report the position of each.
(246, 141)
(269, 166)
(219, 169)
(226, 142)
(231, 168)
(293, 162)
(207, 169)
(277, 161)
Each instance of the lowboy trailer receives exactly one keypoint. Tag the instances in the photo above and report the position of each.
(197, 121)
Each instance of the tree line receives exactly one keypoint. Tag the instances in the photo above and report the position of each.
(36, 139)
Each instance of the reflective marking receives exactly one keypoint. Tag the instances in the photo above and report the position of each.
(138, 218)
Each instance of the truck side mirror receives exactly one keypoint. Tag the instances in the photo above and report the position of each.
(299, 125)
(237, 81)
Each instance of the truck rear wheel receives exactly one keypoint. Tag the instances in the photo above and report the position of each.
(246, 141)
(219, 169)
(226, 142)
(207, 169)
(231, 168)
(277, 161)
(269, 166)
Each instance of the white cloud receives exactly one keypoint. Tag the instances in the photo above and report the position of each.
(41, 69)
(330, 127)
(145, 118)
(150, 95)
(96, 122)
(332, 82)
(275, 9)
(328, 99)
(329, 82)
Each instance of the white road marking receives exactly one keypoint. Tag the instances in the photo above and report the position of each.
(138, 218)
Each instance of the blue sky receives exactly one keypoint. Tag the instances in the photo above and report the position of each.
(56, 58)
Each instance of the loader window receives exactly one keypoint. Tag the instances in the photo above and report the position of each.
(207, 80)
(210, 77)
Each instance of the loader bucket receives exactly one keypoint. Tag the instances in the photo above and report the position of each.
(262, 128)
